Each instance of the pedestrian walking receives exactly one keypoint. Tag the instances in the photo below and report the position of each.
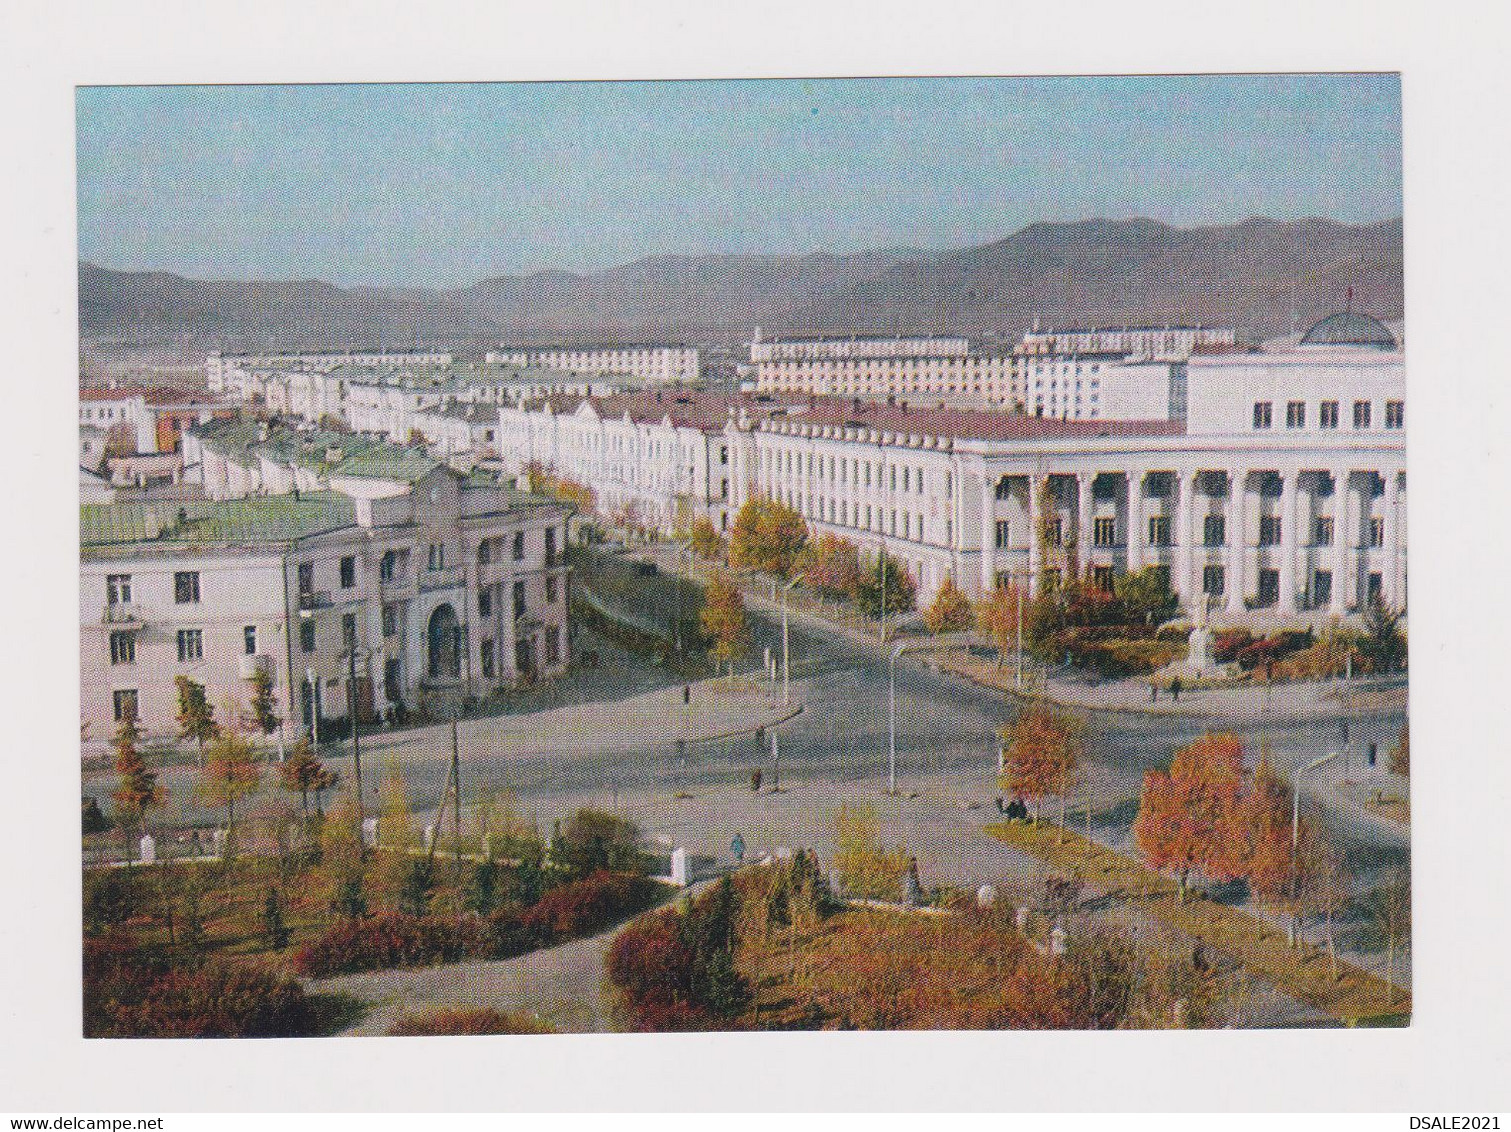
(1153, 693)
(687, 693)
(755, 780)
(737, 847)
(1175, 690)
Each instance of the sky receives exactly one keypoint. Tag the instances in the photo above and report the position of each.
(443, 185)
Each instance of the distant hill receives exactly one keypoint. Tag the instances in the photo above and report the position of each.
(1263, 276)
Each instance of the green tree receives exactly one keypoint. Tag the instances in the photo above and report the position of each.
(723, 621)
(304, 774)
(196, 718)
(864, 867)
(261, 713)
(767, 536)
(951, 610)
(274, 928)
(137, 790)
(704, 541)
(1145, 596)
(231, 773)
(419, 883)
(1384, 644)
(886, 581)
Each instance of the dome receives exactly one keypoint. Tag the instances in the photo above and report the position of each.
(1349, 329)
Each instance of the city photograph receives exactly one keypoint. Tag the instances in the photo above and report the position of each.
(865, 554)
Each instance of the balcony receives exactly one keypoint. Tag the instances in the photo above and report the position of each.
(250, 667)
(123, 613)
(314, 599)
(447, 579)
(397, 586)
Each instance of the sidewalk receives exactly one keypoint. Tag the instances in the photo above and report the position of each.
(1312, 700)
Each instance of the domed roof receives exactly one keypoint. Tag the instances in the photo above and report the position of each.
(1349, 329)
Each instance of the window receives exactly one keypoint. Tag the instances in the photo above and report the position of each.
(1214, 530)
(519, 546)
(1327, 413)
(307, 634)
(484, 552)
(1269, 530)
(191, 645)
(390, 621)
(1269, 587)
(122, 648)
(186, 587)
(1322, 588)
(1002, 534)
(349, 632)
(388, 566)
(1376, 531)
(724, 454)
(1322, 531)
(118, 589)
(1054, 532)
(519, 600)
(1262, 414)
(553, 645)
(306, 578)
(1395, 414)
(1375, 589)
(485, 603)
(249, 639)
(437, 560)
(348, 572)
(1159, 530)
(551, 590)
(551, 540)
(723, 489)
(1295, 414)
(125, 704)
(1361, 414)
(1004, 491)
(1102, 577)
(1213, 579)
(1104, 532)
(485, 656)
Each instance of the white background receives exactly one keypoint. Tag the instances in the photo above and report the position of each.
(1453, 1058)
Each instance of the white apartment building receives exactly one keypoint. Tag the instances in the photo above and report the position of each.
(981, 378)
(1176, 342)
(658, 459)
(1270, 481)
(443, 586)
(650, 362)
(238, 374)
(1101, 387)
(833, 347)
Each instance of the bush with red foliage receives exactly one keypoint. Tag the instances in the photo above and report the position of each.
(651, 965)
(397, 940)
(587, 905)
(390, 940)
(1228, 643)
(129, 996)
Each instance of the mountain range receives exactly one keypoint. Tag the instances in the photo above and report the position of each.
(1263, 276)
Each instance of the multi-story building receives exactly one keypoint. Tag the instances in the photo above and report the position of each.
(154, 417)
(1171, 342)
(982, 377)
(833, 347)
(1100, 387)
(431, 585)
(239, 374)
(656, 362)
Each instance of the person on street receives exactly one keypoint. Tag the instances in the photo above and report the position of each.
(1175, 690)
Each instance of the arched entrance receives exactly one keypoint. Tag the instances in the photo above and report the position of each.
(445, 638)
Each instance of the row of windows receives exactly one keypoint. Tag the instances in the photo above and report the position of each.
(191, 645)
(1214, 531)
(1327, 414)
(847, 470)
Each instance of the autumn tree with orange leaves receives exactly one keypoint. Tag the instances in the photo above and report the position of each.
(950, 611)
(1041, 754)
(1000, 615)
(1190, 817)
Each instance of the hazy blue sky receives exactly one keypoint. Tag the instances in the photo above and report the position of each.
(444, 185)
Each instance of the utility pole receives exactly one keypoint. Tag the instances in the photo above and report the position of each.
(456, 806)
(351, 715)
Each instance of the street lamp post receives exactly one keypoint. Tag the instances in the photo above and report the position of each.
(1296, 824)
(787, 645)
(892, 717)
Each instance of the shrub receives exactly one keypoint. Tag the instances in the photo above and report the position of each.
(441, 1023)
(587, 905)
(393, 940)
(126, 996)
(1228, 643)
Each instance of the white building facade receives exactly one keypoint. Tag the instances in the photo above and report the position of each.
(654, 362)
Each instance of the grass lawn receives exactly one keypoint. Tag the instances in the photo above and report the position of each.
(1304, 973)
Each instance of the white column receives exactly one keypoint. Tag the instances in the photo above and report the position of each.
(1181, 582)
(1338, 604)
(1390, 581)
(1084, 538)
(1238, 538)
(1288, 542)
(1035, 533)
(988, 534)
(1135, 522)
